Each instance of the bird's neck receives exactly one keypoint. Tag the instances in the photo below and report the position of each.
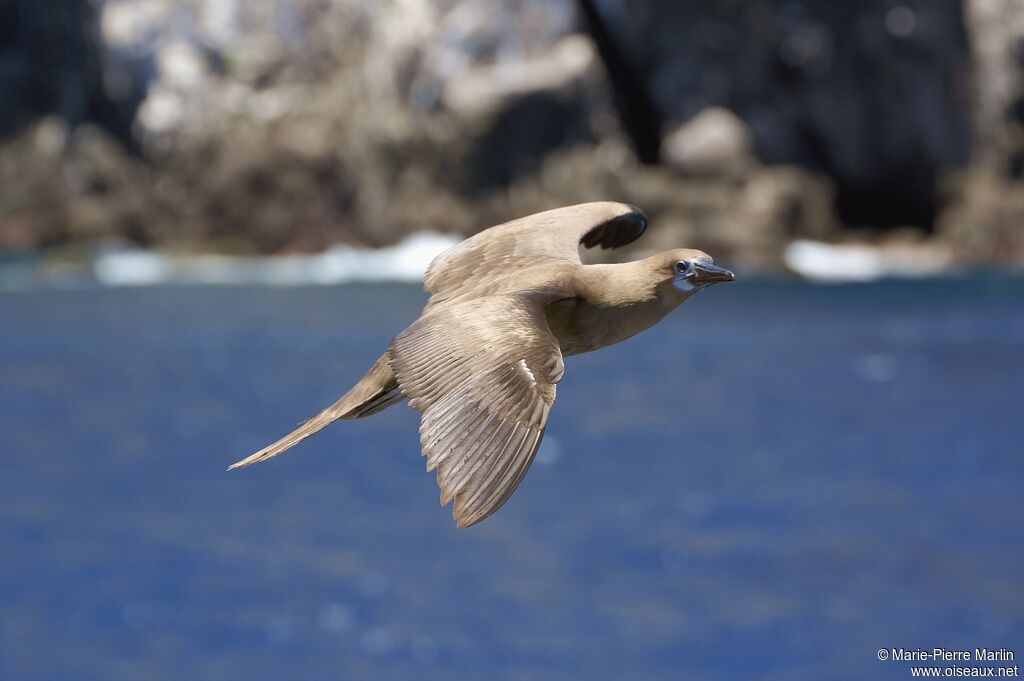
(626, 285)
(612, 303)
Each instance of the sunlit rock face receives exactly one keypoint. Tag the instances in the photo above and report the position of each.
(273, 126)
(714, 142)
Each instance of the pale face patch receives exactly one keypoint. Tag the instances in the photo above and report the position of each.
(684, 284)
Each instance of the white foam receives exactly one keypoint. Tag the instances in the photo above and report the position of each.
(824, 262)
(404, 262)
(132, 268)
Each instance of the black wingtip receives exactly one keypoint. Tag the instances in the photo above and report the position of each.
(617, 231)
(637, 217)
(638, 211)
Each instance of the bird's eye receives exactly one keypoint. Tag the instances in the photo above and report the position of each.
(683, 266)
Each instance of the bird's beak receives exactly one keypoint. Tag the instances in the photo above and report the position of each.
(706, 273)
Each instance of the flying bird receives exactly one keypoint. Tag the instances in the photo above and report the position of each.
(482, 361)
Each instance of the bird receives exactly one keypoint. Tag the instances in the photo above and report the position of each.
(482, 361)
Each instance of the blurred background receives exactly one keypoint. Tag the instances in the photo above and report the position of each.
(278, 126)
(215, 213)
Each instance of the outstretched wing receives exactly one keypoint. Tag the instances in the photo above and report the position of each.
(553, 235)
(482, 373)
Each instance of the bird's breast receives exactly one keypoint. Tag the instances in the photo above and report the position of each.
(581, 326)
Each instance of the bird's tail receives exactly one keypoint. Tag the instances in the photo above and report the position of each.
(375, 391)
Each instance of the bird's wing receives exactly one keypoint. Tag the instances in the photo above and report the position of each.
(551, 236)
(482, 373)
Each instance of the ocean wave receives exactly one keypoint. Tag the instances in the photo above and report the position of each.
(843, 263)
(124, 267)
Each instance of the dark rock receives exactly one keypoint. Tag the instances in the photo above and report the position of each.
(521, 136)
(870, 93)
(52, 61)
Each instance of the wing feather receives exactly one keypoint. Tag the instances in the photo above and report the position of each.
(551, 236)
(482, 373)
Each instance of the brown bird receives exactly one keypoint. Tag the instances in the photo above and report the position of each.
(482, 361)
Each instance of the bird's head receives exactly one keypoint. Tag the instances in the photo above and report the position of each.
(690, 271)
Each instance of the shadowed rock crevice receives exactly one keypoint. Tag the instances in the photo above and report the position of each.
(872, 94)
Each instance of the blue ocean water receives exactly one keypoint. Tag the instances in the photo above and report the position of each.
(774, 483)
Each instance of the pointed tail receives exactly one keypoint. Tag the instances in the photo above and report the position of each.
(375, 391)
